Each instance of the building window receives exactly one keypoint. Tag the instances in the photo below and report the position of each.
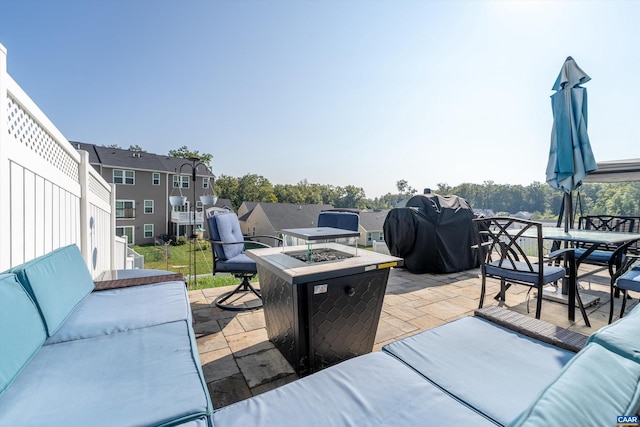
(148, 206)
(181, 181)
(148, 231)
(184, 208)
(126, 232)
(199, 206)
(124, 177)
(205, 182)
(125, 209)
(155, 178)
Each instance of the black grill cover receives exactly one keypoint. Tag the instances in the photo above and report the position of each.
(433, 234)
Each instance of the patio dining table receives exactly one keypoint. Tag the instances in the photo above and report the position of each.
(591, 240)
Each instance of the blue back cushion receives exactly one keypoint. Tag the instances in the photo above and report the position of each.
(621, 336)
(595, 387)
(57, 282)
(225, 227)
(341, 220)
(21, 329)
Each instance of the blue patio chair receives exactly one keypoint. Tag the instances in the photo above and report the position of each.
(228, 246)
(344, 220)
(624, 268)
(602, 256)
(503, 257)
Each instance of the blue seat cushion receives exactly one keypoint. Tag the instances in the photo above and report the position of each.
(225, 227)
(373, 390)
(496, 371)
(630, 280)
(238, 264)
(125, 309)
(522, 273)
(594, 389)
(144, 377)
(57, 282)
(595, 257)
(22, 331)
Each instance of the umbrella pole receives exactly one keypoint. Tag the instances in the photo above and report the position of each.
(568, 219)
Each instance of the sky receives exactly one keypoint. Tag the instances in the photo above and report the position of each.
(362, 93)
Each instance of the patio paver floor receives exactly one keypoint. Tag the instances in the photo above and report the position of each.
(239, 361)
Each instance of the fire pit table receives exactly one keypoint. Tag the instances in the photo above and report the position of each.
(322, 298)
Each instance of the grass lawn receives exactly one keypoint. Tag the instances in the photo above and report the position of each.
(178, 259)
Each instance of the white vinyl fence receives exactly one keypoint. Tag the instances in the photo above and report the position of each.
(50, 195)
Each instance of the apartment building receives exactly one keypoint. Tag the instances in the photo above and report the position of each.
(143, 184)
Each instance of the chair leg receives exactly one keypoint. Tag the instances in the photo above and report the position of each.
(482, 290)
(502, 295)
(539, 302)
(582, 310)
(624, 302)
(245, 286)
(613, 292)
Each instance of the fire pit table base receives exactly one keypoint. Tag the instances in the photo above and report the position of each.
(321, 323)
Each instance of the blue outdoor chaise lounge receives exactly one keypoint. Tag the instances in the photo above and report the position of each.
(127, 357)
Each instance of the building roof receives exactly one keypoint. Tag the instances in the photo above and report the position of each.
(615, 171)
(373, 220)
(290, 215)
(127, 159)
(224, 203)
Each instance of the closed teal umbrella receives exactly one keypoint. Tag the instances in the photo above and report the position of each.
(570, 155)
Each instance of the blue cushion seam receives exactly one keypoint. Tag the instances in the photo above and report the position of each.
(445, 391)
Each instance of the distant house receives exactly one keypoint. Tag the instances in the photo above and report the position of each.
(371, 224)
(143, 184)
(484, 212)
(270, 218)
(523, 215)
(245, 208)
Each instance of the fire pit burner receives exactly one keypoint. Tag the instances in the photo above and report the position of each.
(320, 255)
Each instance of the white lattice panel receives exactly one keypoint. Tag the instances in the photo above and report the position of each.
(28, 132)
(99, 190)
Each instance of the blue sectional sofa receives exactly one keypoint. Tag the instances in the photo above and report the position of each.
(127, 357)
(73, 357)
(470, 372)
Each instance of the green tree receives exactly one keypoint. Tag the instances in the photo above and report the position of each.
(352, 197)
(226, 187)
(185, 153)
(288, 193)
(137, 148)
(255, 188)
(404, 188)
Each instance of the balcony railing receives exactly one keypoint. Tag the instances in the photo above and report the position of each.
(186, 218)
(128, 213)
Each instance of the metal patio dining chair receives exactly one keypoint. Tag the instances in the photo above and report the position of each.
(624, 269)
(228, 249)
(504, 256)
(602, 256)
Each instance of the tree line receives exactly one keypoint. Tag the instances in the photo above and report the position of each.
(545, 202)
(537, 198)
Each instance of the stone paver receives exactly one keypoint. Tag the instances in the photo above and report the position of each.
(264, 366)
(239, 361)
